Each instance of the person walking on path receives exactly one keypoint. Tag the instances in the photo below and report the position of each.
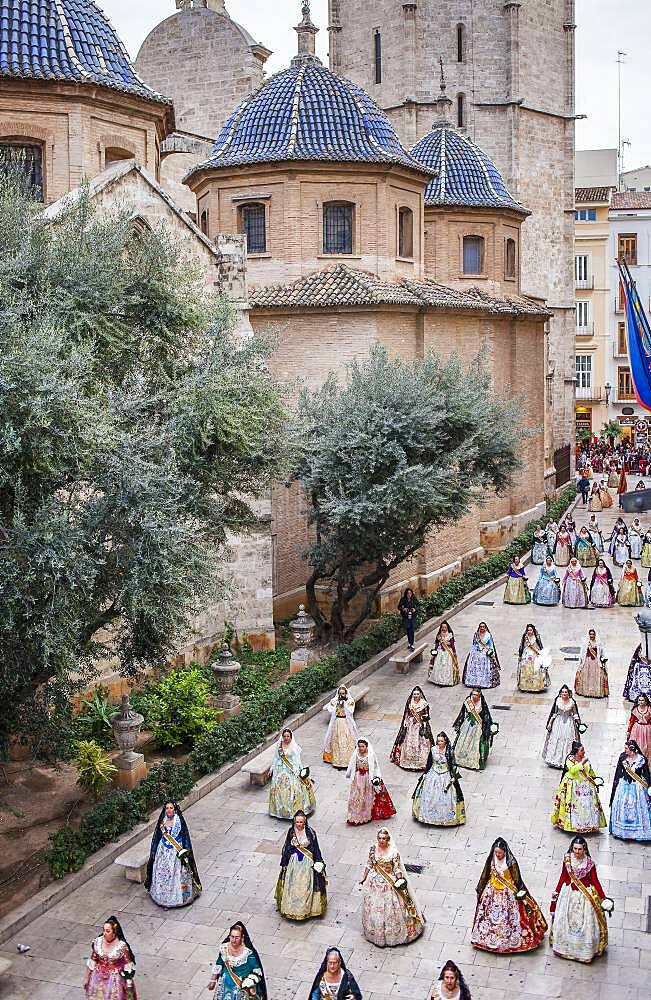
(584, 488)
(408, 608)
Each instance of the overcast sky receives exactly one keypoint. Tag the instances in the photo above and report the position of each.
(604, 26)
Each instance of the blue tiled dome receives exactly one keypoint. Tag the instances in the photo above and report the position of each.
(68, 40)
(463, 174)
(307, 113)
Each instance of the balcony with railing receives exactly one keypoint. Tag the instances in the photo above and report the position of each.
(587, 282)
(587, 330)
(592, 394)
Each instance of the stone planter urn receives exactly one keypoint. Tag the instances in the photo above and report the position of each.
(302, 628)
(226, 668)
(126, 730)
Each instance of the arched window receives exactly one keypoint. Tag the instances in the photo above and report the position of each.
(461, 43)
(461, 111)
(377, 55)
(510, 259)
(473, 255)
(27, 158)
(113, 154)
(203, 221)
(405, 232)
(253, 224)
(338, 219)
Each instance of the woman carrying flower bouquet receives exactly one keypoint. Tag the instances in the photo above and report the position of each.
(172, 877)
(334, 981)
(368, 799)
(475, 730)
(508, 919)
(291, 788)
(238, 970)
(390, 913)
(577, 807)
(301, 885)
(111, 968)
(629, 592)
(579, 906)
(412, 744)
(437, 798)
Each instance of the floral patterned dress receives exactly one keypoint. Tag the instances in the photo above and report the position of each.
(106, 963)
(562, 732)
(288, 791)
(436, 801)
(172, 883)
(503, 923)
(639, 729)
(360, 798)
(579, 930)
(577, 808)
(591, 679)
(390, 914)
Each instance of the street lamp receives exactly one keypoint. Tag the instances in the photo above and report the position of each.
(607, 390)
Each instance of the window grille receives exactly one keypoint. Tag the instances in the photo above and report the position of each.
(253, 225)
(338, 228)
(377, 55)
(473, 254)
(28, 158)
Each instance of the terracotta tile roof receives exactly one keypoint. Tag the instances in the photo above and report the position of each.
(592, 194)
(631, 199)
(344, 286)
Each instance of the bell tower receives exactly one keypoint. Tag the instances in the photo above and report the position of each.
(509, 67)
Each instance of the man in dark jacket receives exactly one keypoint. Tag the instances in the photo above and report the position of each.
(408, 608)
(584, 486)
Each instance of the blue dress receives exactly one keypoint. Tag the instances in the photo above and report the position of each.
(630, 804)
(482, 667)
(539, 551)
(547, 591)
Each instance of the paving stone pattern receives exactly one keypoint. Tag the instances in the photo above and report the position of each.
(238, 846)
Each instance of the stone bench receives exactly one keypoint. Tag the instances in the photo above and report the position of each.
(258, 768)
(403, 661)
(134, 861)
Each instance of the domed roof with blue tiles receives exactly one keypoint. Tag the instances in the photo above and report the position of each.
(65, 40)
(462, 173)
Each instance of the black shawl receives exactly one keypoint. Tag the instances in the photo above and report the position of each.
(119, 933)
(318, 879)
(452, 768)
(554, 708)
(348, 985)
(621, 775)
(609, 576)
(249, 944)
(425, 729)
(184, 839)
(464, 992)
(511, 864)
(486, 718)
(523, 640)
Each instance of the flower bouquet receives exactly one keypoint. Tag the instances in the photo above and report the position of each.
(582, 727)
(128, 973)
(607, 905)
(183, 855)
(377, 783)
(319, 867)
(495, 728)
(401, 884)
(251, 983)
(521, 894)
(599, 782)
(304, 773)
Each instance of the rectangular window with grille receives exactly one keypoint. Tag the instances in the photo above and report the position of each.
(338, 228)
(584, 371)
(28, 159)
(253, 225)
(624, 384)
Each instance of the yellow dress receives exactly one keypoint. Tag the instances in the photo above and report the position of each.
(577, 808)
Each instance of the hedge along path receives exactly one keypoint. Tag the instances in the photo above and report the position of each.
(124, 818)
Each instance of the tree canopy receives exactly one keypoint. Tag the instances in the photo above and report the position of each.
(393, 452)
(135, 434)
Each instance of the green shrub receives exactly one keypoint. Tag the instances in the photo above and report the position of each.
(94, 769)
(66, 853)
(176, 708)
(94, 721)
(260, 670)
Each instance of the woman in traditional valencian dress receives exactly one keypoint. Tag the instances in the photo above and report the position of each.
(482, 666)
(508, 919)
(584, 549)
(547, 592)
(620, 550)
(575, 592)
(539, 548)
(604, 495)
(517, 589)
(450, 985)
(594, 502)
(613, 476)
(563, 729)
(638, 677)
(301, 886)
(570, 524)
(172, 877)
(562, 549)
(475, 730)
(630, 801)
(551, 530)
(578, 907)
(629, 591)
(390, 913)
(412, 745)
(444, 665)
(639, 725)
(591, 679)
(577, 808)
(291, 788)
(645, 555)
(533, 662)
(602, 591)
(635, 534)
(595, 533)
(342, 730)
(333, 981)
(368, 798)
(437, 798)
(238, 972)
(111, 968)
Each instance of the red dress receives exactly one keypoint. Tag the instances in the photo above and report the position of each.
(383, 807)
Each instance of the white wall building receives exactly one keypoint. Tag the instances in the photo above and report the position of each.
(629, 238)
(637, 180)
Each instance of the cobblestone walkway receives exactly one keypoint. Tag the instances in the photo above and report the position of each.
(238, 847)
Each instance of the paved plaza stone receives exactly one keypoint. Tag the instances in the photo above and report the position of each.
(238, 850)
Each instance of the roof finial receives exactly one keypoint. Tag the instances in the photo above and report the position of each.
(306, 32)
(443, 102)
